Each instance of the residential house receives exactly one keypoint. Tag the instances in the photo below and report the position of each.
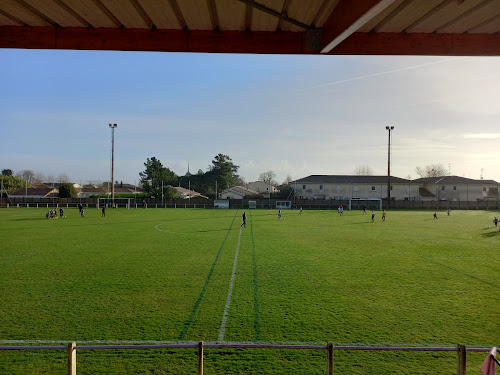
(262, 187)
(34, 192)
(238, 192)
(186, 193)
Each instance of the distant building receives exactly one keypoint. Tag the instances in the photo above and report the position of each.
(262, 187)
(238, 192)
(345, 187)
(456, 189)
(186, 193)
(34, 192)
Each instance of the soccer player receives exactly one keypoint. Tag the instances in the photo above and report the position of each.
(495, 221)
(47, 214)
(61, 212)
(373, 216)
(279, 214)
(300, 213)
(103, 210)
(364, 209)
(82, 212)
(383, 215)
(448, 212)
(435, 215)
(244, 223)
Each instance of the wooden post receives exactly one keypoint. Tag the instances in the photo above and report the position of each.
(330, 358)
(461, 360)
(200, 358)
(72, 359)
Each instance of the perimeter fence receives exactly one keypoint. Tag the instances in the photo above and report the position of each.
(329, 348)
(307, 204)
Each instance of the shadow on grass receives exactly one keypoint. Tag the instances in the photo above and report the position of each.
(490, 234)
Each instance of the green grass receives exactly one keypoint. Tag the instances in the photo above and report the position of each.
(164, 274)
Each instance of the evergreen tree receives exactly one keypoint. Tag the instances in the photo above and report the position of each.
(67, 190)
(154, 175)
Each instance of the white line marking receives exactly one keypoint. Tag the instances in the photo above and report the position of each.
(222, 330)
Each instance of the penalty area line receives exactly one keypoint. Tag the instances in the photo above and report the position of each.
(222, 330)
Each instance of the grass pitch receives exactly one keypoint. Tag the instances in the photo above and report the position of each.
(164, 275)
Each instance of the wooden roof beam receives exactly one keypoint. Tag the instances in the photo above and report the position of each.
(347, 17)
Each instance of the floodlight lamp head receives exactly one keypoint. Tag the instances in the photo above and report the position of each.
(386, 128)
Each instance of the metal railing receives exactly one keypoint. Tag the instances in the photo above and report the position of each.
(72, 348)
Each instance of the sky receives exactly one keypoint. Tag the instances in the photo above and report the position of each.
(290, 114)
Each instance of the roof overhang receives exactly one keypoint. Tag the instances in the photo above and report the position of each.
(360, 27)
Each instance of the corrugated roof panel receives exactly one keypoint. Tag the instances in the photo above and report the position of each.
(474, 19)
(161, 14)
(8, 22)
(126, 14)
(303, 11)
(56, 13)
(443, 16)
(264, 21)
(91, 13)
(196, 14)
(15, 9)
(489, 27)
(413, 12)
(231, 14)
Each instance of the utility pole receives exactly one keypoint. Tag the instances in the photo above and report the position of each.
(112, 127)
(389, 129)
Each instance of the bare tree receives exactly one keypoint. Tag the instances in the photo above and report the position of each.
(268, 177)
(26, 174)
(63, 177)
(431, 170)
(363, 170)
(51, 179)
(288, 180)
(39, 177)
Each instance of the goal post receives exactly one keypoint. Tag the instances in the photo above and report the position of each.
(370, 204)
(282, 205)
(252, 204)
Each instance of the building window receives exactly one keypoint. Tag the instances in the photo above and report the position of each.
(373, 188)
(338, 189)
(442, 188)
(303, 187)
(454, 188)
(320, 187)
(355, 187)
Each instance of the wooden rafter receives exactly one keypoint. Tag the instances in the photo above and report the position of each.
(108, 13)
(178, 14)
(37, 13)
(214, 17)
(72, 12)
(144, 15)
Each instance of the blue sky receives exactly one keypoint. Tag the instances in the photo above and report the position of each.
(294, 115)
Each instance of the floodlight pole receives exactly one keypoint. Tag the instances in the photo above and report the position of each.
(112, 127)
(389, 129)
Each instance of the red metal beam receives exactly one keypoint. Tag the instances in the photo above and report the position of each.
(152, 40)
(433, 44)
(244, 42)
